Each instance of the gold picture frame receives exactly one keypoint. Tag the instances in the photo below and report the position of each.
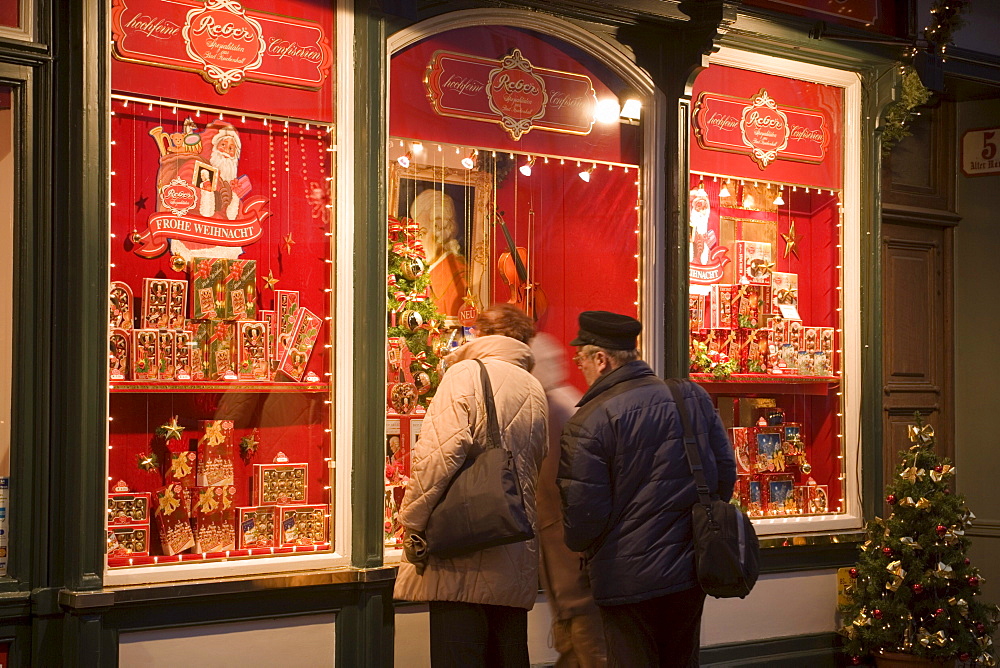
(455, 199)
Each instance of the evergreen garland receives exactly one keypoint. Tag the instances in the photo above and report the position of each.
(426, 341)
(913, 589)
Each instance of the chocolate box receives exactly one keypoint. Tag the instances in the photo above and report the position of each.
(128, 508)
(119, 354)
(215, 453)
(215, 518)
(173, 519)
(120, 313)
(164, 303)
(300, 344)
(145, 354)
(744, 448)
(208, 294)
(302, 525)
(128, 541)
(785, 295)
(252, 351)
(255, 527)
(280, 484)
(286, 305)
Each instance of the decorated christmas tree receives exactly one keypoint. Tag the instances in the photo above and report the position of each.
(413, 319)
(914, 590)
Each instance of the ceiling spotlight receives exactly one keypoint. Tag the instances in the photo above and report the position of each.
(778, 201)
(607, 111)
(526, 167)
(469, 161)
(631, 109)
(404, 160)
(585, 174)
(724, 191)
(700, 190)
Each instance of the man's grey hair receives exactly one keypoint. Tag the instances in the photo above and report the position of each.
(620, 357)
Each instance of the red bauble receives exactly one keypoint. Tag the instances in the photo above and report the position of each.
(980, 628)
(939, 612)
(853, 572)
(964, 656)
(876, 613)
(966, 561)
(941, 529)
(918, 588)
(855, 660)
(938, 469)
(973, 581)
(887, 551)
(891, 499)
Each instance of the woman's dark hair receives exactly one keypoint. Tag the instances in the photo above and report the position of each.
(506, 320)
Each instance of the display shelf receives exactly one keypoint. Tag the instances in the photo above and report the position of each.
(216, 387)
(216, 556)
(763, 383)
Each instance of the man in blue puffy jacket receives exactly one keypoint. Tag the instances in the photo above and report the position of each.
(627, 493)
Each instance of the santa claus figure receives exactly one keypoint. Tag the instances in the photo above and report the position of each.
(225, 157)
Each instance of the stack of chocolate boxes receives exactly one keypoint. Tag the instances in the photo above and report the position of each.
(226, 336)
(756, 321)
(128, 522)
(282, 516)
(771, 460)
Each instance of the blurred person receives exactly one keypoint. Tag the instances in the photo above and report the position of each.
(577, 632)
(478, 602)
(627, 492)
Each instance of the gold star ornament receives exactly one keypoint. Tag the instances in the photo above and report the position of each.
(288, 242)
(171, 431)
(270, 280)
(791, 240)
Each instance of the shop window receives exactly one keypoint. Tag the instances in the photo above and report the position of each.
(529, 196)
(220, 367)
(773, 283)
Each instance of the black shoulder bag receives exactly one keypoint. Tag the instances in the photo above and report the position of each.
(726, 549)
(483, 505)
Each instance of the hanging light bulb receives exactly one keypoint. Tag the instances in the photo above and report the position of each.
(526, 167)
(724, 191)
(416, 146)
(700, 191)
(404, 160)
(778, 201)
(469, 161)
(748, 201)
(585, 174)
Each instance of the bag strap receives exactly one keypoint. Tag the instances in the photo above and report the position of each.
(492, 424)
(690, 444)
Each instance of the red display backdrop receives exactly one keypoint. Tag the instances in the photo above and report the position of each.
(769, 128)
(10, 14)
(463, 80)
(274, 58)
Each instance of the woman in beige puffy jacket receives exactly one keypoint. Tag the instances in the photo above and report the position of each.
(479, 602)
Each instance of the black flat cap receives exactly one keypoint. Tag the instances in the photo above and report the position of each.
(607, 330)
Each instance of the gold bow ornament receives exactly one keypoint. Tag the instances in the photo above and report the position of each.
(961, 604)
(912, 474)
(907, 540)
(921, 434)
(947, 469)
(928, 639)
(895, 568)
(942, 571)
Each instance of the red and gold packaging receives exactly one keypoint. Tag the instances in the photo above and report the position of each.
(173, 519)
(300, 345)
(753, 262)
(215, 453)
(793, 334)
(128, 508)
(254, 361)
(128, 541)
(756, 351)
(182, 354)
(810, 339)
(120, 314)
(145, 354)
(696, 304)
(725, 341)
(721, 301)
(785, 291)
(182, 469)
(240, 286)
(119, 354)
(780, 491)
(215, 340)
(280, 484)
(286, 305)
(255, 527)
(215, 519)
(164, 303)
(744, 448)
(271, 318)
(166, 360)
(208, 295)
(301, 525)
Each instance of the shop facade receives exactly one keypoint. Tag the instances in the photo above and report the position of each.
(244, 237)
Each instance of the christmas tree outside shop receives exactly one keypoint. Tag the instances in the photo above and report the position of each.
(914, 590)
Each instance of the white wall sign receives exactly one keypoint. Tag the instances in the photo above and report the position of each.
(981, 152)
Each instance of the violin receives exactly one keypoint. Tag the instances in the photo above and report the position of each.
(512, 265)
